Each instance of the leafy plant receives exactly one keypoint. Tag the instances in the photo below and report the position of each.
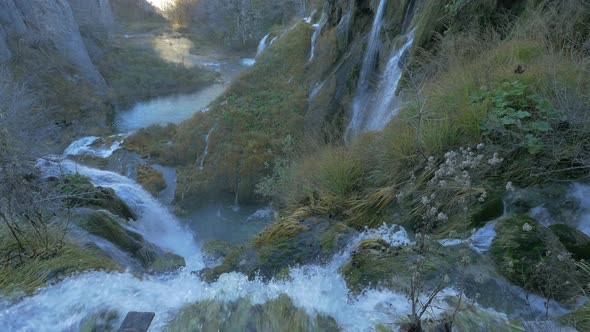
(514, 110)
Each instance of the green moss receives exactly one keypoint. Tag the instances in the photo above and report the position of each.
(167, 263)
(38, 272)
(282, 245)
(490, 210)
(376, 264)
(531, 258)
(109, 228)
(102, 321)
(573, 240)
(151, 179)
(85, 194)
(263, 105)
(154, 143)
(579, 319)
(216, 248)
(275, 315)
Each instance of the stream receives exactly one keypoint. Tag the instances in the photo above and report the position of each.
(319, 289)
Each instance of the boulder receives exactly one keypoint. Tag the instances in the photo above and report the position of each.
(167, 263)
(573, 240)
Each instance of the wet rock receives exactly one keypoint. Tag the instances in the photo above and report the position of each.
(574, 241)
(531, 256)
(106, 226)
(99, 322)
(151, 179)
(375, 263)
(275, 315)
(167, 263)
(284, 244)
(137, 321)
(216, 249)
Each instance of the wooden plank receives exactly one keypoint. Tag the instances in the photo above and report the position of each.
(137, 321)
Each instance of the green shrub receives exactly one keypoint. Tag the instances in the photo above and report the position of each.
(514, 111)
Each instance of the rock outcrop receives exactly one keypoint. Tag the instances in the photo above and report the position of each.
(96, 14)
(39, 21)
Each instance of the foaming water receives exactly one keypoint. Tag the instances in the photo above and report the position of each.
(262, 45)
(581, 192)
(155, 222)
(317, 29)
(362, 95)
(87, 145)
(385, 106)
(316, 288)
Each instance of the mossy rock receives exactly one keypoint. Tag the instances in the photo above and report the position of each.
(531, 256)
(106, 226)
(278, 315)
(573, 240)
(284, 244)
(490, 210)
(167, 263)
(216, 248)
(377, 264)
(103, 321)
(47, 269)
(580, 318)
(151, 179)
(85, 194)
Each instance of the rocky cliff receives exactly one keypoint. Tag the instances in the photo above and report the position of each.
(52, 21)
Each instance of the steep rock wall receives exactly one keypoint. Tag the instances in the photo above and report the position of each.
(52, 21)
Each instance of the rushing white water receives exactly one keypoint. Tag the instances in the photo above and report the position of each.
(581, 192)
(262, 45)
(206, 151)
(155, 222)
(86, 145)
(362, 95)
(385, 105)
(318, 289)
(248, 62)
(482, 240)
(317, 29)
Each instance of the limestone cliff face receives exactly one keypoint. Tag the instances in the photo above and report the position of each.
(95, 14)
(52, 21)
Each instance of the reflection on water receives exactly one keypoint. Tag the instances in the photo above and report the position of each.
(175, 109)
(221, 222)
(164, 110)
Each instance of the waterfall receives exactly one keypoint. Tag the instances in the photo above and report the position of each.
(362, 96)
(384, 107)
(85, 145)
(262, 45)
(317, 29)
(155, 222)
(206, 151)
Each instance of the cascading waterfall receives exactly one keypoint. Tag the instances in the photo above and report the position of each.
(362, 96)
(384, 107)
(206, 151)
(317, 29)
(84, 145)
(262, 45)
(155, 222)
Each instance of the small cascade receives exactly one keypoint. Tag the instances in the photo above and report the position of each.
(155, 222)
(384, 107)
(262, 45)
(206, 151)
(88, 145)
(581, 193)
(362, 96)
(310, 17)
(317, 30)
(482, 240)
